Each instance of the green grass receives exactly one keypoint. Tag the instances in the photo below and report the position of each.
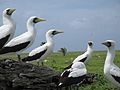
(57, 61)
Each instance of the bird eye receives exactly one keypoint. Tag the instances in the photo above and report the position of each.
(35, 20)
(90, 43)
(54, 32)
(8, 12)
(108, 44)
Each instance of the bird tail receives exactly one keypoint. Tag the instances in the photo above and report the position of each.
(68, 66)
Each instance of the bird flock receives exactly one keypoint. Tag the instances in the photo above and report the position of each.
(73, 73)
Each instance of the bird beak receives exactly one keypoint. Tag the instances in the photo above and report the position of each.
(104, 43)
(40, 20)
(12, 10)
(59, 32)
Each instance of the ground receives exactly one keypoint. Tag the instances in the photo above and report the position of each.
(95, 65)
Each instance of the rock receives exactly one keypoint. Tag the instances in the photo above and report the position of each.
(15, 75)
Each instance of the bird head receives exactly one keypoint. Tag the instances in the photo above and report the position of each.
(90, 43)
(109, 43)
(54, 32)
(35, 19)
(8, 11)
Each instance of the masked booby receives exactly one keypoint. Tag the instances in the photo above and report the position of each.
(23, 41)
(7, 30)
(111, 71)
(75, 75)
(85, 56)
(40, 53)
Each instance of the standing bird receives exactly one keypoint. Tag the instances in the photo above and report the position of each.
(85, 56)
(7, 30)
(111, 71)
(24, 41)
(40, 53)
(75, 75)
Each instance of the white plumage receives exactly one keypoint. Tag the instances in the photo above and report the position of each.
(111, 71)
(25, 40)
(85, 56)
(7, 30)
(43, 51)
(76, 74)
(78, 69)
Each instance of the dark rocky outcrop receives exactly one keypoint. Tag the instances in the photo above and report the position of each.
(16, 75)
(22, 76)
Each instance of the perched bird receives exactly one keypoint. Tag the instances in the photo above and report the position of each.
(24, 41)
(7, 30)
(40, 53)
(111, 71)
(85, 56)
(75, 75)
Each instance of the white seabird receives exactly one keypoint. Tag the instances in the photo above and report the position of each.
(40, 53)
(75, 75)
(111, 71)
(7, 30)
(23, 41)
(85, 56)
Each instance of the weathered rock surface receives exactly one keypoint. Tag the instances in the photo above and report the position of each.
(20, 76)
(15, 75)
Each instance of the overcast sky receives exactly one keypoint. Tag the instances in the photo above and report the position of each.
(81, 20)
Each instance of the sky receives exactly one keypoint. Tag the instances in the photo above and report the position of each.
(81, 21)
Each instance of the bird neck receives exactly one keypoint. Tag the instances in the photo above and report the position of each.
(31, 28)
(110, 56)
(49, 39)
(8, 20)
(89, 49)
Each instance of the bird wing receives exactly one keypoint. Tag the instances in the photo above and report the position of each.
(115, 71)
(81, 58)
(79, 65)
(4, 35)
(25, 37)
(65, 73)
(35, 54)
(4, 40)
(38, 50)
(4, 31)
(77, 72)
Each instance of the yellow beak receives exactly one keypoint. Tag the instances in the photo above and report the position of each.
(12, 10)
(40, 20)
